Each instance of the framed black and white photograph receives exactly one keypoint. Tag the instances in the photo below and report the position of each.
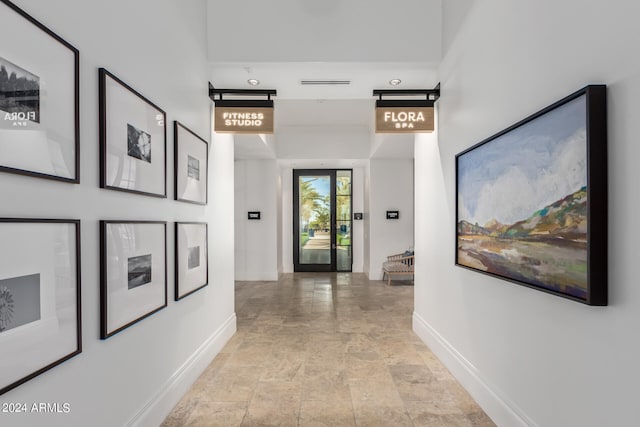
(133, 140)
(40, 313)
(191, 165)
(133, 273)
(192, 258)
(39, 99)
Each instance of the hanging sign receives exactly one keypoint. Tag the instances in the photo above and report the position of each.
(243, 119)
(404, 119)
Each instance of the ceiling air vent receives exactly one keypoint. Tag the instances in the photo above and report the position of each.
(324, 82)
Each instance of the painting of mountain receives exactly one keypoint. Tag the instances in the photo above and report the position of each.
(523, 202)
(547, 249)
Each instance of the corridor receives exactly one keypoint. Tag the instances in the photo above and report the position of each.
(325, 349)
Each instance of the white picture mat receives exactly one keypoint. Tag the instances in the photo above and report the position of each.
(123, 171)
(126, 240)
(188, 188)
(190, 235)
(50, 250)
(49, 146)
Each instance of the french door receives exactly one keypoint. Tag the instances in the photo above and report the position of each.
(322, 220)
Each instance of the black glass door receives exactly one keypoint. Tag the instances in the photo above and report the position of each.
(322, 220)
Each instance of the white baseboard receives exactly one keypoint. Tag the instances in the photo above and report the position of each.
(500, 409)
(161, 404)
(377, 275)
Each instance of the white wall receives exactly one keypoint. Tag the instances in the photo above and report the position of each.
(357, 229)
(527, 356)
(256, 250)
(350, 31)
(135, 377)
(347, 142)
(279, 227)
(286, 177)
(391, 188)
(455, 12)
(366, 223)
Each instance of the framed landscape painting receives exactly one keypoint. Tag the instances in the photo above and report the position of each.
(133, 273)
(39, 99)
(40, 313)
(532, 200)
(133, 140)
(191, 165)
(192, 258)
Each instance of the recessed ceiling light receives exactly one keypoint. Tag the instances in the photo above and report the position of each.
(253, 82)
(395, 82)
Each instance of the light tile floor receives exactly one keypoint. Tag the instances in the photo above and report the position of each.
(326, 349)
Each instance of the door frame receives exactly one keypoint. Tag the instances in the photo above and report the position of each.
(333, 266)
(297, 173)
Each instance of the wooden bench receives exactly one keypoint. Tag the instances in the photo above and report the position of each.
(397, 265)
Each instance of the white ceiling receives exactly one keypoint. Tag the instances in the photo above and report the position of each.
(280, 42)
(285, 77)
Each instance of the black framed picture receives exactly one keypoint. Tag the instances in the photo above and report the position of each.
(532, 200)
(40, 305)
(133, 273)
(358, 216)
(39, 99)
(192, 258)
(253, 215)
(133, 140)
(191, 167)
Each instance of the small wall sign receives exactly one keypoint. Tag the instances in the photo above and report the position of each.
(244, 119)
(393, 214)
(253, 215)
(404, 119)
(358, 216)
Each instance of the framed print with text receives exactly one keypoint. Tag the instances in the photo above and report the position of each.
(133, 273)
(39, 99)
(192, 258)
(40, 313)
(133, 140)
(191, 165)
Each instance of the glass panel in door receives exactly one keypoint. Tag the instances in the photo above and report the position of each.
(314, 228)
(343, 220)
